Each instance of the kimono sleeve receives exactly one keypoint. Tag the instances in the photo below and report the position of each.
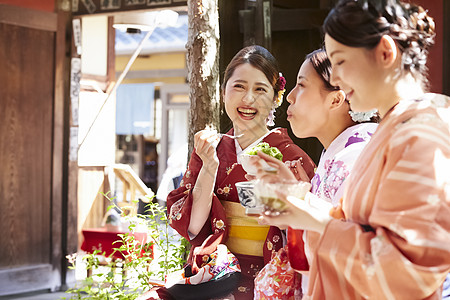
(179, 207)
(405, 252)
(179, 201)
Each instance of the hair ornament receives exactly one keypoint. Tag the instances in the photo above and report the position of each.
(271, 118)
(365, 116)
(281, 82)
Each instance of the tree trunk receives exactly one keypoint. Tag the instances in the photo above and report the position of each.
(203, 66)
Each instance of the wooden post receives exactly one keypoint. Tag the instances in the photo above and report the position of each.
(203, 66)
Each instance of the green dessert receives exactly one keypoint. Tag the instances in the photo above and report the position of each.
(265, 148)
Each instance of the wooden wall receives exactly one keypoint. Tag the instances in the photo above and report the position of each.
(45, 5)
(31, 149)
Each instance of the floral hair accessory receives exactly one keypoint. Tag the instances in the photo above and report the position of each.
(362, 116)
(281, 83)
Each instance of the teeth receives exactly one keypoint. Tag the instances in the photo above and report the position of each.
(246, 110)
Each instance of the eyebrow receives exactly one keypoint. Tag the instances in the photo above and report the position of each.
(333, 53)
(257, 83)
(302, 77)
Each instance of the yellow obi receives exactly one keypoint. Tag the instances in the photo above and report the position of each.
(245, 235)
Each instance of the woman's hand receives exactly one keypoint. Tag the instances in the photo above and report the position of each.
(278, 171)
(205, 144)
(299, 214)
(296, 167)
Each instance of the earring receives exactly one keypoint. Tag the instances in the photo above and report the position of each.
(271, 118)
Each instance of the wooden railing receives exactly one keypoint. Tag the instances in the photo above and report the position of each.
(133, 184)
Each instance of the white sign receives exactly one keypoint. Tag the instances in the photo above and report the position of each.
(75, 76)
(76, 25)
(73, 144)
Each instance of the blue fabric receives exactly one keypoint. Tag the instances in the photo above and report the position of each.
(446, 292)
(134, 108)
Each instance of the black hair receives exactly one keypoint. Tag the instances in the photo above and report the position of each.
(260, 58)
(362, 23)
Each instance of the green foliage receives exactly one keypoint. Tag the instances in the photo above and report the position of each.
(137, 272)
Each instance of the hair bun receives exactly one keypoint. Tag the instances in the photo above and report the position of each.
(421, 21)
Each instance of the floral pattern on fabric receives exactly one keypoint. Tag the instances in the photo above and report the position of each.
(219, 224)
(175, 210)
(225, 190)
(229, 169)
(277, 280)
(218, 264)
(335, 174)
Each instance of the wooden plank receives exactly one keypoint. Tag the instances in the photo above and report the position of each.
(297, 19)
(26, 150)
(25, 279)
(30, 18)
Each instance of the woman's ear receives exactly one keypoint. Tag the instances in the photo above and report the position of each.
(386, 51)
(337, 99)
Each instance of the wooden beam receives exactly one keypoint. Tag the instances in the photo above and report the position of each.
(24, 17)
(89, 7)
(297, 19)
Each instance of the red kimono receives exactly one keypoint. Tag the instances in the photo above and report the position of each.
(250, 242)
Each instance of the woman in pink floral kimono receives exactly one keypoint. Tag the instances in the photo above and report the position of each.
(205, 209)
(391, 239)
(317, 109)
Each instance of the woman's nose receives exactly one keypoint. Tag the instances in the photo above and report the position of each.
(290, 97)
(249, 97)
(334, 78)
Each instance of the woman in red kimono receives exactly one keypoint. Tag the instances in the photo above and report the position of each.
(205, 209)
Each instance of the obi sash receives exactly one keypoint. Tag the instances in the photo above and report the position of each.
(245, 235)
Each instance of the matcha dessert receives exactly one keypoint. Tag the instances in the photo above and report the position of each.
(265, 148)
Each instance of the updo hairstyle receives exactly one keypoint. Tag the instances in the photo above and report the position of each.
(362, 23)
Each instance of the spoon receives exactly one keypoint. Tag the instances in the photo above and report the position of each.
(230, 136)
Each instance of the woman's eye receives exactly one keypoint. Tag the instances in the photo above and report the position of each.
(339, 63)
(260, 89)
(300, 84)
(239, 86)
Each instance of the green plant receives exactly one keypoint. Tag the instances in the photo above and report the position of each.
(141, 267)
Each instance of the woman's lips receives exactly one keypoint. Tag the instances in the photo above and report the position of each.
(289, 115)
(247, 113)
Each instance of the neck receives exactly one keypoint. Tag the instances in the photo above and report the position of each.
(404, 89)
(337, 125)
(250, 135)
